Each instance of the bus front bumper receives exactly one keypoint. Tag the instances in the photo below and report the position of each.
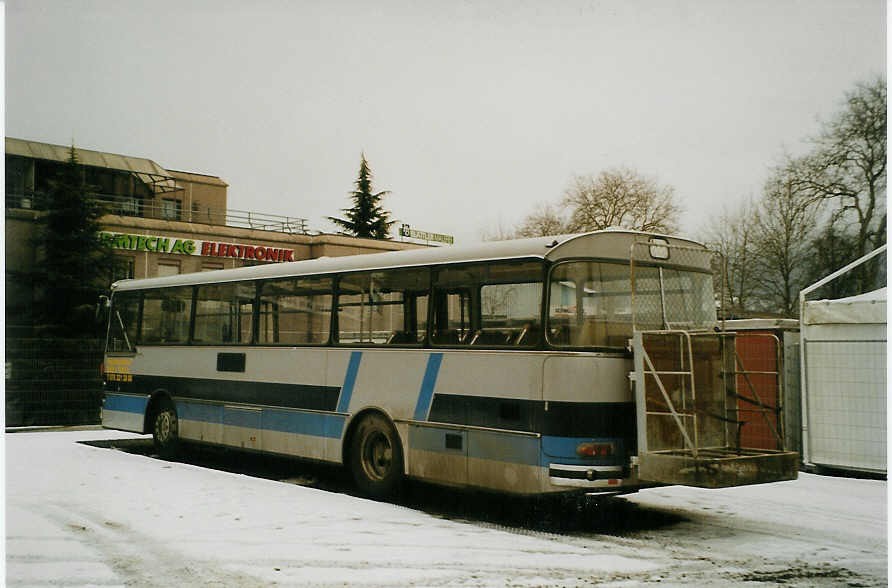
(591, 477)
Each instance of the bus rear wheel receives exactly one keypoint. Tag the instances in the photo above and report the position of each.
(165, 430)
(376, 457)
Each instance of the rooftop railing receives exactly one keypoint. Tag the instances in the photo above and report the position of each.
(169, 209)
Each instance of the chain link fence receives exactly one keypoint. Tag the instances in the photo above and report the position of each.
(53, 381)
(673, 286)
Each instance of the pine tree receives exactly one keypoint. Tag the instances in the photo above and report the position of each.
(76, 266)
(366, 218)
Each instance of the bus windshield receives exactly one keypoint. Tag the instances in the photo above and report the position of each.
(123, 322)
(591, 303)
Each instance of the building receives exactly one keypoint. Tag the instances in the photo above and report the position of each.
(158, 222)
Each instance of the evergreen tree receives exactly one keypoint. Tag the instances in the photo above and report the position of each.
(366, 218)
(76, 266)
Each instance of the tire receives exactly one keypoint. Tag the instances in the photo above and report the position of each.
(376, 457)
(165, 430)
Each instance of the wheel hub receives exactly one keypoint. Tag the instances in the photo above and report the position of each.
(164, 427)
(377, 455)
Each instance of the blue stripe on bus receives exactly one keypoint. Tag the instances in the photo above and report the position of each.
(268, 419)
(241, 417)
(136, 404)
(205, 413)
(349, 381)
(304, 423)
(428, 383)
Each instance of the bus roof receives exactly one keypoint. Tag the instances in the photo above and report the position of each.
(606, 244)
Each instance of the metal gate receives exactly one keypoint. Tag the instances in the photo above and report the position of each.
(689, 416)
(699, 401)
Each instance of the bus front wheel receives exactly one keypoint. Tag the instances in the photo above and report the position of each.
(165, 430)
(376, 457)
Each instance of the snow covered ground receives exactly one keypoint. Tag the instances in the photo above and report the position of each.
(80, 514)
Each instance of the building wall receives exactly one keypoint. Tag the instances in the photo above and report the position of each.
(204, 198)
(161, 247)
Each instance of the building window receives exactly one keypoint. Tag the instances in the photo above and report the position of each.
(168, 268)
(19, 182)
(123, 268)
(128, 206)
(210, 267)
(171, 209)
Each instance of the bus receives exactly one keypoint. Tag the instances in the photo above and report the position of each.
(504, 366)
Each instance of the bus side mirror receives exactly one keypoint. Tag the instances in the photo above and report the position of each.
(102, 307)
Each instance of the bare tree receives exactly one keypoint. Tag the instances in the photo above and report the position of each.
(545, 220)
(498, 232)
(621, 197)
(785, 224)
(847, 167)
(733, 235)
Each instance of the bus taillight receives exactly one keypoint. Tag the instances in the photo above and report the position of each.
(594, 449)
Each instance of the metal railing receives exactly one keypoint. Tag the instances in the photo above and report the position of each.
(170, 209)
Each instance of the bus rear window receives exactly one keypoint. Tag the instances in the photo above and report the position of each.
(591, 304)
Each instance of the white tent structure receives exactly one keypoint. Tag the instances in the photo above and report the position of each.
(843, 350)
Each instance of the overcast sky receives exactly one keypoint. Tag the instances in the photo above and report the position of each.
(469, 112)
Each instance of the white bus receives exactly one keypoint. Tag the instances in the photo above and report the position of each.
(502, 366)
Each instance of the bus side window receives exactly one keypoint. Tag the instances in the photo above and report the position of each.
(382, 308)
(452, 317)
(509, 314)
(420, 317)
(166, 315)
(224, 313)
(295, 311)
(590, 304)
(268, 317)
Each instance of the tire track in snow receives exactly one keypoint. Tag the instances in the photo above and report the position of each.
(138, 559)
